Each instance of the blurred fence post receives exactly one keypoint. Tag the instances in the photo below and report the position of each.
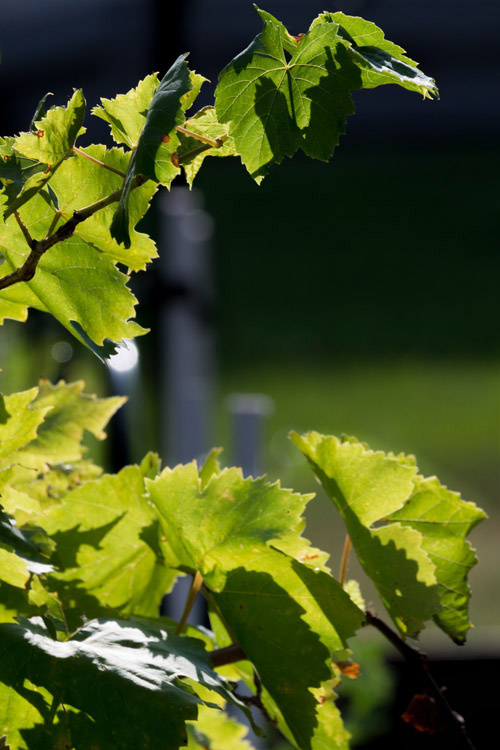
(249, 412)
(186, 346)
(187, 340)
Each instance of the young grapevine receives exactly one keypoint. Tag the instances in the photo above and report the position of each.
(86, 557)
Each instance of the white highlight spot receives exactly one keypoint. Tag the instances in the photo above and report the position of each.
(125, 359)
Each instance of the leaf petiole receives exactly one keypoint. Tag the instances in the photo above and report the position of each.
(196, 585)
(345, 558)
(212, 142)
(78, 151)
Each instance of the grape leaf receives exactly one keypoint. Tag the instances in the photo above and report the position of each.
(16, 171)
(68, 412)
(80, 182)
(291, 621)
(380, 60)
(20, 422)
(36, 156)
(108, 547)
(75, 282)
(232, 530)
(203, 123)
(205, 522)
(277, 103)
(128, 677)
(284, 93)
(215, 730)
(158, 141)
(19, 554)
(367, 486)
(56, 133)
(444, 520)
(126, 113)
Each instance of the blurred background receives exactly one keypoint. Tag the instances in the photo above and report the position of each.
(358, 297)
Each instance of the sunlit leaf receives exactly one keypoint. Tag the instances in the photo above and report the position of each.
(367, 486)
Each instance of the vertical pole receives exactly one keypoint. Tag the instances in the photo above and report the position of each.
(249, 412)
(187, 346)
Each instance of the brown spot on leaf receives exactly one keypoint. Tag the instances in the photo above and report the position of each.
(309, 557)
(175, 160)
(40, 133)
(165, 138)
(349, 669)
(297, 38)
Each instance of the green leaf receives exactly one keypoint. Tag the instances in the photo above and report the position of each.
(367, 486)
(75, 282)
(56, 133)
(68, 413)
(215, 730)
(15, 174)
(289, 617)
(127, 677)
(19, 423)
(291, 621)
(278, 101)
(203, 123)
(126, 113)
(81, 182)
(157, 143)
(108, 547)
(444, 520)
(284, 93)
(380, 61)
(19, 554)
(207, 522)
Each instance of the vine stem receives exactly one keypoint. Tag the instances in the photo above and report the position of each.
(420, 663)
(196, 585)
(345, 559)
(66, 230)
(227, 655)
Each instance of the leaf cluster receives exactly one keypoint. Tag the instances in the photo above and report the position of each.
(86, 557)
(67, 237)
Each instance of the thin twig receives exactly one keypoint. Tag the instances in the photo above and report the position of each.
(196, 585)
(256, 701)
(66, 230)
(420, 663)
(97, 161)
(345, 559)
